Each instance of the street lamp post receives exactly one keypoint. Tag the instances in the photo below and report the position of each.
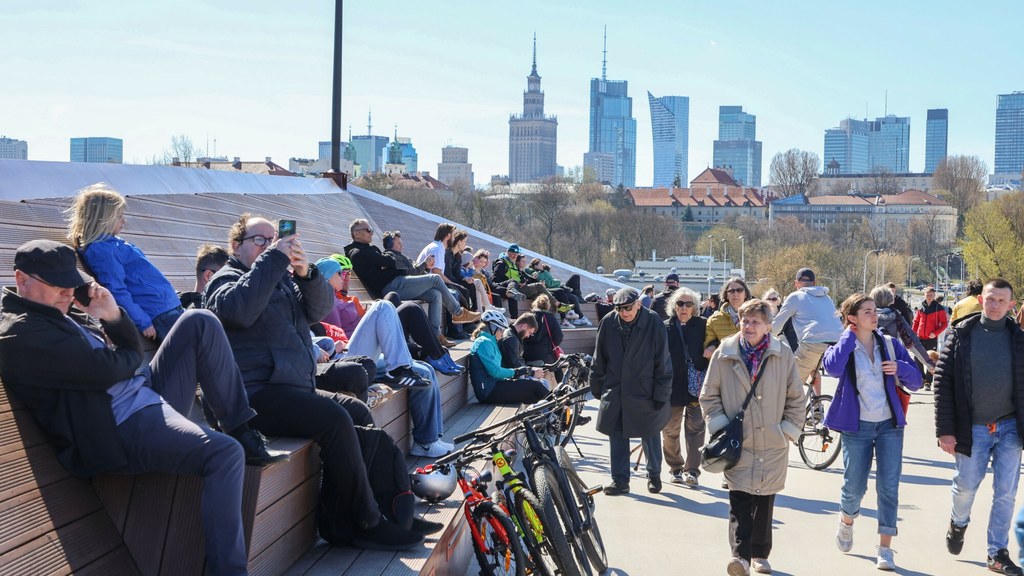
(725, 258)
(909, 264)
(711, 259)
(833, 284)
(743, 257)
(864, 281)
(938, 271)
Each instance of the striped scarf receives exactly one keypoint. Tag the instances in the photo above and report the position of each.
(753, 355)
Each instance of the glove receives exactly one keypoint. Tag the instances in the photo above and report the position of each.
(659, 404)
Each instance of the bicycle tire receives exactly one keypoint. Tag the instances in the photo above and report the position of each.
(540, 549)
(592, 542)
(818, 445)
(556, 524)
(570, 417)
(504, 554)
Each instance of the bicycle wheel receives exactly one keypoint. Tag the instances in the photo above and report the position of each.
(557, 526)
(570, 418)
(539, 548)
(592, 542)
(502, 552)
(819, 446)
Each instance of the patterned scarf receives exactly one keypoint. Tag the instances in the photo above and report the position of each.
(732, 314)
(753, 355)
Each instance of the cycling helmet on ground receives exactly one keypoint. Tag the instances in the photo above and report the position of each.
(432, 484)
(494, 319)
(346, 264)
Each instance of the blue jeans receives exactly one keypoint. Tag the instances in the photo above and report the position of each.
(1003, 447)
(618, 447)
(380, 332)
(885, 441)
(429, 288)
(424, 405)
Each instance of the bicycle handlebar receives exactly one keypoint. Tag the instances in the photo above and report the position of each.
(523, 415)
(568, 359)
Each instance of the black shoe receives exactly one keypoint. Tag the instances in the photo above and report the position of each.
(255, 447)
(1002, 563)
(615, 489)
(386, 536)
(402, 377)
(424, 527)
(654, 485)
(955, 538)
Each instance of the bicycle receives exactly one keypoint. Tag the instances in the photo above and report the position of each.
(818, 445)
(575, 376)
(496, 542)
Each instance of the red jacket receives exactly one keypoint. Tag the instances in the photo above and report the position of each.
(930, 319)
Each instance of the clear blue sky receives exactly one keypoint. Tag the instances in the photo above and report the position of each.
(256, 76)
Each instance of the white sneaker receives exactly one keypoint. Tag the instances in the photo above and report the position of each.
(436, 449)
(572, 316)
(885, 559)
(760, 565)
(447, 445)
(582, 321)
(738, 567)
(567, 324)
(844, 536)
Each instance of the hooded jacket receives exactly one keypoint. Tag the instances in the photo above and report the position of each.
(813, 313)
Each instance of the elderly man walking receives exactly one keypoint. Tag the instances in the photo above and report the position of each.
(632, 377)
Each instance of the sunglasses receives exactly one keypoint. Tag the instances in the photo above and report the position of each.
(370, 230)
(259, 240)
(735, 290)
(625, 307)
(772, 298)
(684, 304)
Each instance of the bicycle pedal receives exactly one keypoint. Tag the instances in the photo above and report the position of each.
(595, 490)
(583, 420)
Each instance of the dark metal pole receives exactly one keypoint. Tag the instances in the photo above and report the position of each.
(336, 93)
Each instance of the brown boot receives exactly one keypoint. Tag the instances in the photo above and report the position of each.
(466, 316)
(445, 341)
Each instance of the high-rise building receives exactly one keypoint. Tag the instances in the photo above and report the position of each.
(1010, 134)
(670, 126)
(324, 152)
(890, 144)
(612, 127)
(455, 166)
(409, 156)
(737, 148)
(97, 149)
(370, 149)
(532, 136)
(860, 146)
(13, 149)
(936, 138)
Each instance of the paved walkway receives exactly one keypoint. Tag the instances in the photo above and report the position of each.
(684, 530)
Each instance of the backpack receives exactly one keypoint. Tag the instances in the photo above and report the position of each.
(389, 480)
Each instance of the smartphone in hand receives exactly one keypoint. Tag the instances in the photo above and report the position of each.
(285, 228)
(82, 294)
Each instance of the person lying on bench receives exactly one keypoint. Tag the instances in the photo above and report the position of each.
(110, 413)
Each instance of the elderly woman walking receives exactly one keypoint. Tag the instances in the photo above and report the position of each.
(774, 417)
(685, 346)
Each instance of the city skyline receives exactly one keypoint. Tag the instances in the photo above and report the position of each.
(161, 72)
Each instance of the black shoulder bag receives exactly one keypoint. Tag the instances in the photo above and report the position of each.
(723, 450)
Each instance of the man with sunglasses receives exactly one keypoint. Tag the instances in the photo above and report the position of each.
(658, 305)
(816, 323)
(632, 377)
(380, 274)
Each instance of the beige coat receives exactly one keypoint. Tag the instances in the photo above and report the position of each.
(774, 416)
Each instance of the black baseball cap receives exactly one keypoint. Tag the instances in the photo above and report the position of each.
(52, 262)
(805, 275)
(673, 277)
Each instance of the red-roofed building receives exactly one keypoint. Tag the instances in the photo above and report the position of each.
(712, 196)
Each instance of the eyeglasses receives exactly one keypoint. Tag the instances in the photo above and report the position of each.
(772, 298)
(370, 230)
(625, 307)
(259, 240)
(684, 304)
(735, 290)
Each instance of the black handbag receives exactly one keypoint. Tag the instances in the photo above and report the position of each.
(723, 450)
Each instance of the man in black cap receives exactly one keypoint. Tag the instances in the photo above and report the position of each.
(671, 285)
(632, 376)
(815, 320)
(108, 411)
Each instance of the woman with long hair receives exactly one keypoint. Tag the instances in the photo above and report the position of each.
(539, 349)
(868, 412)
(94, 221)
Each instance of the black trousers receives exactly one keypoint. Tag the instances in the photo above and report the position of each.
(521, 391)
(750, 524)
(328, 419)
(351, 375)
(416, 325)
(929, 344)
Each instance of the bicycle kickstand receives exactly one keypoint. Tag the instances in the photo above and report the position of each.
(577, 447)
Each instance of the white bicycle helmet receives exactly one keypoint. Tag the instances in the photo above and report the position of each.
(431, 484)
(494, 319)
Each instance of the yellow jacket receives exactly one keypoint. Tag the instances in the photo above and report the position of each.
(720, 327)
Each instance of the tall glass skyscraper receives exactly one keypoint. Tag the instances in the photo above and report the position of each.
(670, 125)
(612, 129)
(936, 138)
(1010, 134)
(859, 146)
(736, 147)
(890, 144)
(97, 149)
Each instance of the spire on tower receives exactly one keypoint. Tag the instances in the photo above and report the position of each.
(396, 132)
(534, 53)
(604, 59)
(369, 122)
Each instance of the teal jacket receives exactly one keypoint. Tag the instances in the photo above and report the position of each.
(485, 367)
(548, 280)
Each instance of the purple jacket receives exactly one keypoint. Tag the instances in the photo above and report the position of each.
(844, 413)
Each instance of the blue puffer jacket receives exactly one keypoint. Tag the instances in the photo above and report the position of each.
(844, 413)
(485, 367)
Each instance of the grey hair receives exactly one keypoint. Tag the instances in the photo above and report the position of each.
(678, 293)
(882, 296)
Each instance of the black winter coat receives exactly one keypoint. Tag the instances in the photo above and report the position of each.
(632, 376)
(541, 346)
(266, 316)
(693, 332)
(51, 367)
(374, 268)
(952, 383)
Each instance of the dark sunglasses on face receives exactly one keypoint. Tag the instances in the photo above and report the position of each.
(734, 290)
(684, 304)
(259, 240)
(772, 298)
(370, 230)
(625, 307)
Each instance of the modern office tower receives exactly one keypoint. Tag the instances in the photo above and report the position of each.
(324, 152)
(409, 156)
(612, 127)
(890, 144)
(371, 150)
(1010, 134)
(97, 149)
(850, 146)
(936, 138)
(670, 126)
(455, 166)
(737, 148)
(532, 136)
(13, 149)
